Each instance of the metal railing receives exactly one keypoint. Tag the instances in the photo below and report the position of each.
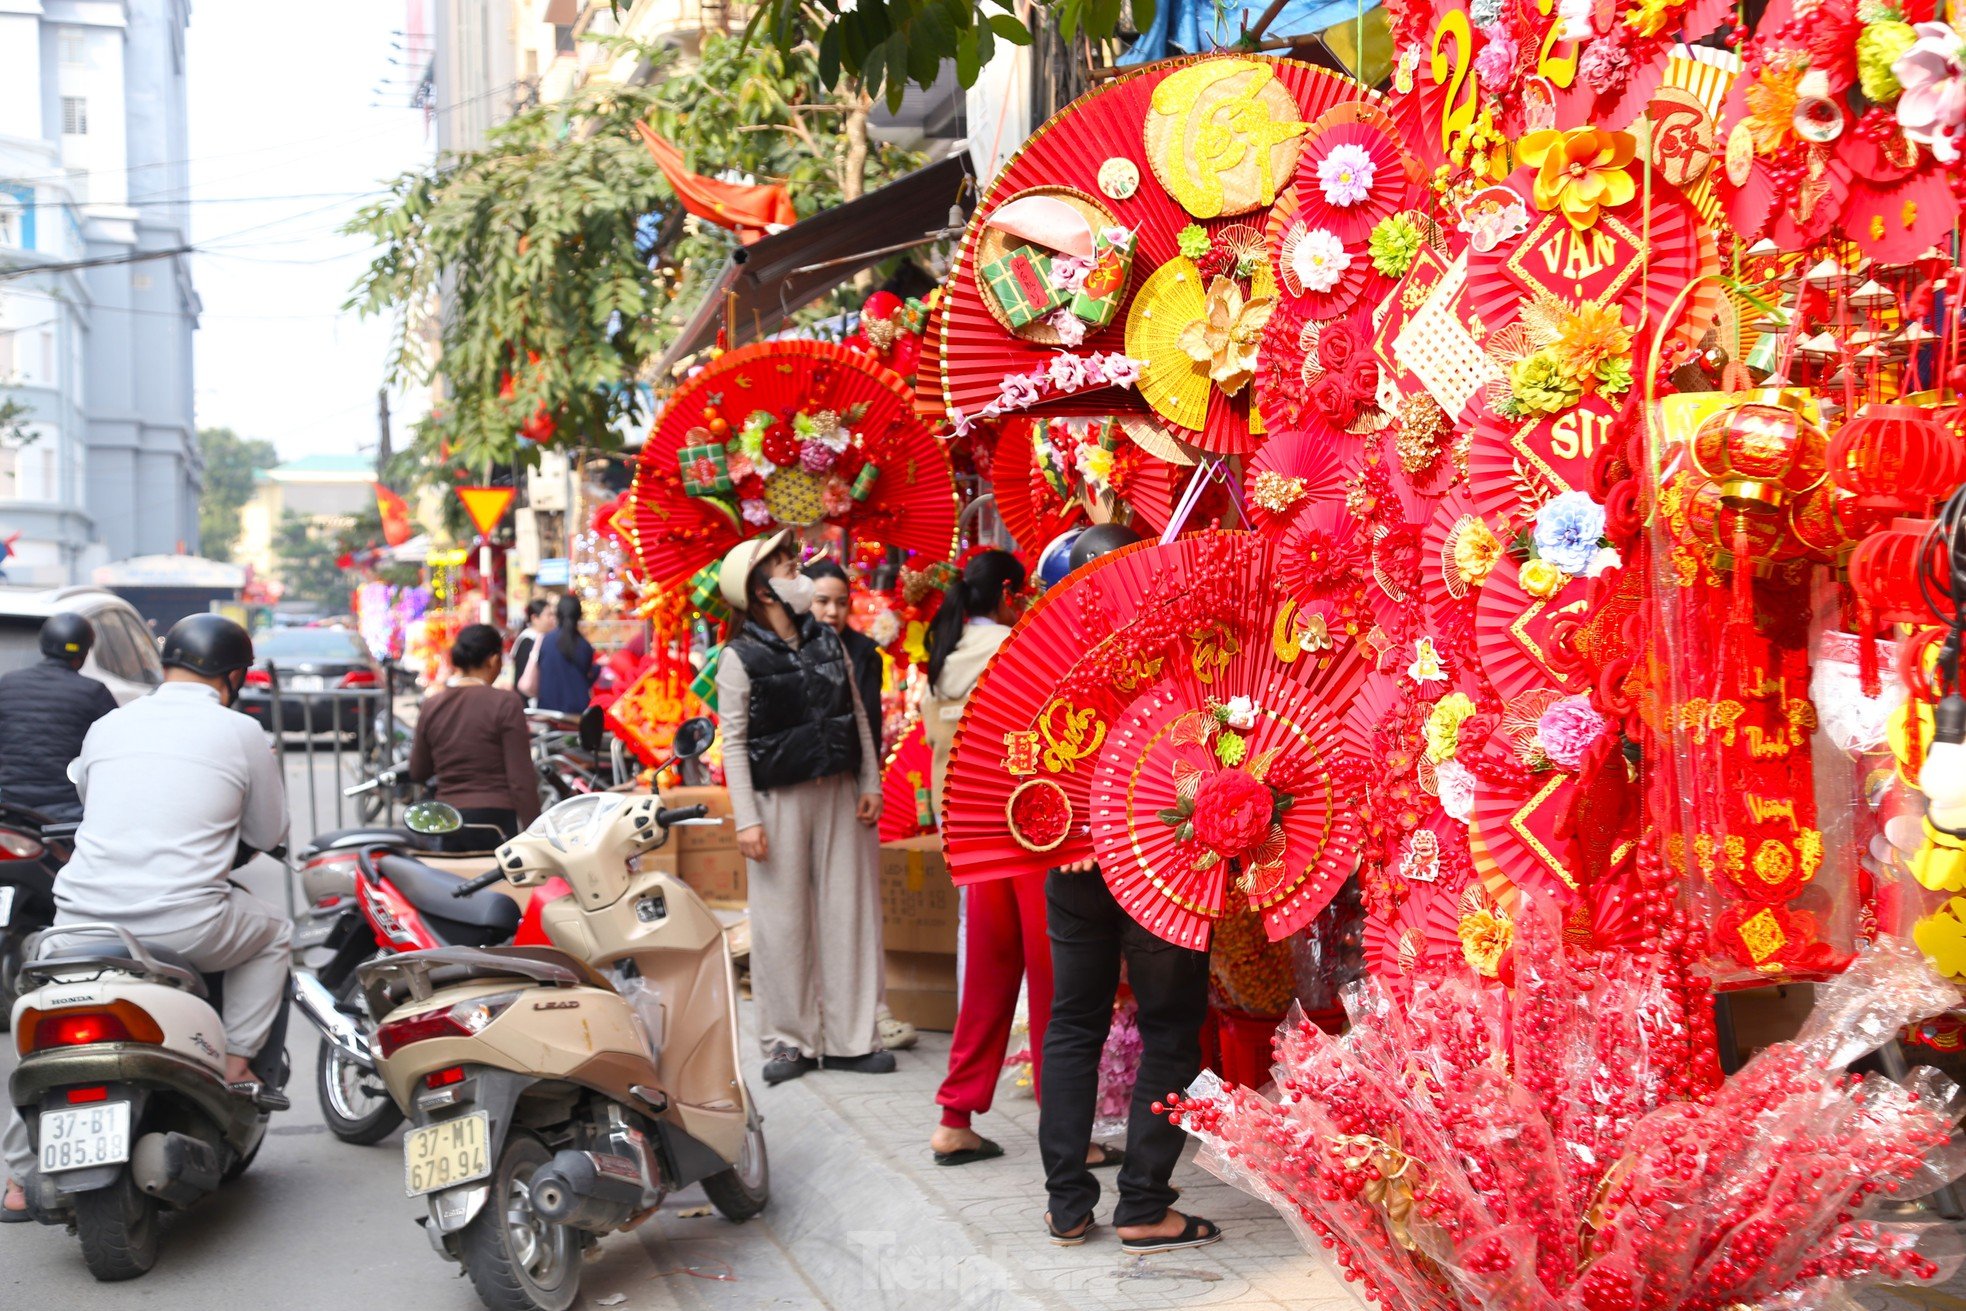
(340, 738)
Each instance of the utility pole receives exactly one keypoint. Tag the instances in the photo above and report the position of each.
(382, 441)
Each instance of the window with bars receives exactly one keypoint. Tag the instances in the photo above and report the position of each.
(74, 116)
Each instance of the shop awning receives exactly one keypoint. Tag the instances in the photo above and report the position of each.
(763, 283)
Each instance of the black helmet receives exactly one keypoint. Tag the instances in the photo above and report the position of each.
(1098, 540)
(68, 637)
(211, 645)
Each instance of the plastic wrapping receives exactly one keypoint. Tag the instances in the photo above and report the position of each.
(1526, 1160)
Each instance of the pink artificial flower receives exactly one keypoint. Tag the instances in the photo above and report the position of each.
(1605, 64)
(755, 513)
(1068, 373)
(817, 456)
(740, 466)
(1495, 65)
(835, 498)
(1120, 370)
(1069, 327)
(1932, 106)
(1068, 272)
(1020, 391)
(1567, 730)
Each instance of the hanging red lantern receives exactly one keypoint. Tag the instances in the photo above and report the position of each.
(1897, 459)
(1884, 572)
(1762, 453)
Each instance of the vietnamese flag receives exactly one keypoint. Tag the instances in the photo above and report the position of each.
(751, 212)
(395, 512)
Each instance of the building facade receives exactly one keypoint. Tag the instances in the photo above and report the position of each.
(96, 309)
(327, 491)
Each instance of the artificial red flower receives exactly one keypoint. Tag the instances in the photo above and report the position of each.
(1337, 344)
(1332, 397)
(751, 487)
(781, 445)
(1232, 812)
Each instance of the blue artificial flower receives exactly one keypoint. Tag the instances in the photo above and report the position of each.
(1568, 529)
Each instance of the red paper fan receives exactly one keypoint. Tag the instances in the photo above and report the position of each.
(1422, 928)
(1515, 827)
(1156, 754)
(1289, 238)
(913, 503)
(1105, 124)
(1151, 488)
(1512, 630)
(907, 800)
(931, 407)
(1395, 174)
(1377, 697)
(1321, 461)
(1324, 555)
(1899, 220)
(1456, 532)
(1030, 510)
(1514, 465)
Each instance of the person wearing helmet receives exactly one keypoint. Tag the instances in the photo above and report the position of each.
(45, 712)
(173, 785)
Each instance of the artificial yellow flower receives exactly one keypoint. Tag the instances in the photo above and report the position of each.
(1443, 727)
(1486, 936)
(1771, 101)
(1580, 171)
(1543, 579)
(1476, 549)
(1593, 333)
(1226, 337)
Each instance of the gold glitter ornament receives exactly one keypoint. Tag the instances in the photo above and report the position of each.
(1275, 492)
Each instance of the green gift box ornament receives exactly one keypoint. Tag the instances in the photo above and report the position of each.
(1021, 282)
(863, 482)
(705, 592)
(705, 468)
(1098, 298)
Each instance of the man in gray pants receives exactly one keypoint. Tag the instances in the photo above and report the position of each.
(171, 786)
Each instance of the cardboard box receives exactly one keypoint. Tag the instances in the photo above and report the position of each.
(918, 902)
(719, 877)
(921, 989)
(721, 836)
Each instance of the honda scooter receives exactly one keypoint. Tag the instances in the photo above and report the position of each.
(558, 1094)
(33, 849)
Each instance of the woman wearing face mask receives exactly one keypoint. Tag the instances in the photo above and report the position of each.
(800, 762)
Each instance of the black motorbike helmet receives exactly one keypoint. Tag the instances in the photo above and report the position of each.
(67, 637)
(1098, 540)
(210, 645)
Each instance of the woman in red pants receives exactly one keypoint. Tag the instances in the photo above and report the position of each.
(1004, 938)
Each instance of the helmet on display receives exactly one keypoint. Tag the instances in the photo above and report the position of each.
(67, 637)
(1101, 539)
(1054, 562)
(210, 645)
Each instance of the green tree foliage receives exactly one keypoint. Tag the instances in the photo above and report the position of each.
(230, 463)
(13, 422)
(890, 43)
(555, 264)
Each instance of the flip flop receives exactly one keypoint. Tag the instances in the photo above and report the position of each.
(984, 1151)
(1196, 1233)
(1062, 1238)
(1108, 1158)
(8, 1216)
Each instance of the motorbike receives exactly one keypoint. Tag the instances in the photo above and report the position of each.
(558, 1094)
(121, 1083)
(33, 848)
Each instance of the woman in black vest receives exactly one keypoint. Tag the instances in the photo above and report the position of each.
(802, 770)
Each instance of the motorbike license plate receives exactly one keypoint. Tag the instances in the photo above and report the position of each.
(307, 683)
(6, 905)
(85, 1136)
(447, 1153)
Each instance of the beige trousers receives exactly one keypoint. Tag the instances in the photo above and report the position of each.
(815, 923)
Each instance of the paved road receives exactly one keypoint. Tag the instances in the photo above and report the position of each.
(317, 1225)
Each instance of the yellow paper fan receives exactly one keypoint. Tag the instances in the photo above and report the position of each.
(1173, 296)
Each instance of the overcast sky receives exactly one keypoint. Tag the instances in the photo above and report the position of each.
(285, 111)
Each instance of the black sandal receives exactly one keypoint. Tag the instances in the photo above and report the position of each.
(1065, 1238)
(1108, 1157)
(983, 1151)
(9, 1216)
(1196, 1233)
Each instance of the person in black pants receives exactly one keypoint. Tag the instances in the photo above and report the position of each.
(1090, 936)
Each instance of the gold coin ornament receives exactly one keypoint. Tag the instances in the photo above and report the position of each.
(1119, 178)
(1223, 135)
(1740, 154)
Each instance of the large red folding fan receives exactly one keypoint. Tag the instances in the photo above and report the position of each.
(689, 510)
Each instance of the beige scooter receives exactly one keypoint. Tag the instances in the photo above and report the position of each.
(558, 1095)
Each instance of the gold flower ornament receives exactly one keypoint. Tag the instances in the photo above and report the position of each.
(1226, 337)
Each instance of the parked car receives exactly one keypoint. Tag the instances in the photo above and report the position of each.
(125, 655)
(310, 662)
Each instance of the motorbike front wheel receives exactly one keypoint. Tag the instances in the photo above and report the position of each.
(742, 1191)
(354, 1102)
(118, 1229)
(518, 1261)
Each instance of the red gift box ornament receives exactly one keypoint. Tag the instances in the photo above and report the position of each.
(1897, 459)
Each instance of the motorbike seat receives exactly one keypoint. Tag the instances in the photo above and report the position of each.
(106, 948)
(357, 837)
(429, 890)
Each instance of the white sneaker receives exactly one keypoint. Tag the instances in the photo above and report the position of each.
(897, 1035)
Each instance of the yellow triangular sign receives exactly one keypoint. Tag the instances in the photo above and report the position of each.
(485, 505)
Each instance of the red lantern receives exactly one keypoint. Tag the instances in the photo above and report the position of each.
(1884, 572)
(1897, 459)
(1762, 453)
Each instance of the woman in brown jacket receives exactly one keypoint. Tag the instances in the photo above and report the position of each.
(472, 738)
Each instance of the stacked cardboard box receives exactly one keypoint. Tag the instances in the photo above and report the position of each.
(919, 924)
(706, 854)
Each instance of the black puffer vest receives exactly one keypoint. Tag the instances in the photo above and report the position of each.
(802, 725)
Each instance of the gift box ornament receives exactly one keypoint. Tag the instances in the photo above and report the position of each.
(1098, 299)
(705, 468)
(1021, 282)
(863, 482)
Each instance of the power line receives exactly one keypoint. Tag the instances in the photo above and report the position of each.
(94, 262)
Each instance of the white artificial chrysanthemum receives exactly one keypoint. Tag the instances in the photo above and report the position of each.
(1319, 260)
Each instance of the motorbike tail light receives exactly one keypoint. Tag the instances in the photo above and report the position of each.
(445, 1077)
(80, 1096)
(18, 846)
(359, 678)
(258, 678)
(463, 1020)
(116, 1021)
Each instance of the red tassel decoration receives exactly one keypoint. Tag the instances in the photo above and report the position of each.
(1868, 676)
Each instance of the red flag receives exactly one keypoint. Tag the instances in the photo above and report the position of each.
(395, 512)
(750, 212)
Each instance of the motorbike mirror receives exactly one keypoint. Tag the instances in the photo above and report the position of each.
(432, 818)
(592, 721)
(693, 737)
